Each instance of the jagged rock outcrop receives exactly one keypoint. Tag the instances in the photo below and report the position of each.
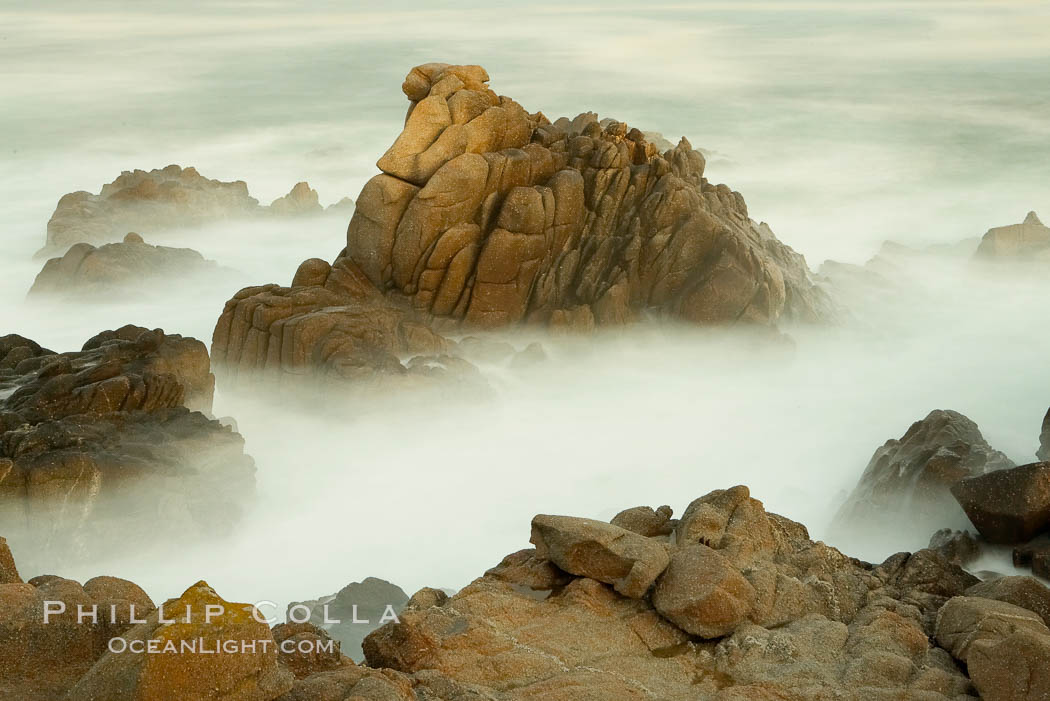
(1027, 241)
(359, 608)
(485, 215)
(908, 480)
(87, 271)
(165, 198)
(300, 200)
(107, 446)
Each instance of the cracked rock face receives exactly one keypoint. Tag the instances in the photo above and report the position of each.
(492, 215)
(109, 443)
(486, 215)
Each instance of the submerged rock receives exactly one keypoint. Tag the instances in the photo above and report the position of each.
(1027, 241)
(85, 270)
(908, 480)
(359, 608)
(153, 201)
(300, 200)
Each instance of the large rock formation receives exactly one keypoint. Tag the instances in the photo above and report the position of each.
(86, 271)
(108, 445)
(166, 198)
(908, 480)
(485, 215)
(1027, 241)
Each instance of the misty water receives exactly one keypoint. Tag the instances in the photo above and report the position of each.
(843, 124)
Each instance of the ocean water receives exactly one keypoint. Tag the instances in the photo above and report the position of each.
(843, 124)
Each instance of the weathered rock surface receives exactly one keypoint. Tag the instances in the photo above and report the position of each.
(231, 671)
(818, 624)
(959, 547)
(41, 658)
(601, 551)
(485, 215)
(703, 594)
(1027, 241)
(1016, 668)
(1027, 592)
(107, 446)
(359, 608)
(85, 270)
(964, 620)
(166, 198)
(1008, 506)
(908, 480)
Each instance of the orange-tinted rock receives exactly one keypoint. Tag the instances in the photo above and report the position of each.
(214, 650)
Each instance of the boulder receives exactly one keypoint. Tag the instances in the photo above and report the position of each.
(1035, 554)
(1026, 592)
(964, 620)
(601, 551)
(214, 650)
(703, 594)
(908, 480)
(958, 547)
(1015, 668)
(1007, 506)
(85, 270)
(644, 520)
(305, 649)
(1027, 241)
